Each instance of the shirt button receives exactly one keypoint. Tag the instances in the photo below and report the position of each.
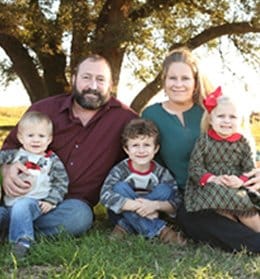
(71, 163)
(76, 146)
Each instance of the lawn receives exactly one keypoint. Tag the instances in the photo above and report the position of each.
(94, 255)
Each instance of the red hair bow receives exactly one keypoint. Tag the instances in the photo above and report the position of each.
(210, 101)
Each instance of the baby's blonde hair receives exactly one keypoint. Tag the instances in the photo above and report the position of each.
(35, 117)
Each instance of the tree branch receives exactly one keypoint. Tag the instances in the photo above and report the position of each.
(150, 90)
(150, 6)
(221, 30)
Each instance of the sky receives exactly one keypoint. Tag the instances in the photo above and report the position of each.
(245, 83)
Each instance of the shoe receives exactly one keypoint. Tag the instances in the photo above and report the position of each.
(118, 232)
(20, 250)
(169, 236)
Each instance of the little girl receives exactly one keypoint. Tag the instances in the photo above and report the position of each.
(218, 162)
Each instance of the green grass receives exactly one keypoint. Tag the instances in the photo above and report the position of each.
(94, 255)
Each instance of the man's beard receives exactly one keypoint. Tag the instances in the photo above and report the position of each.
(89, 103)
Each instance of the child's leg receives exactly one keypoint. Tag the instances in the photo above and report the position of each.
(118, 219)
(253, 222)
(162, 192)
(22, 215)
(126, 191)
(144, 226)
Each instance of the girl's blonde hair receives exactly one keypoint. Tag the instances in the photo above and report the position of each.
(184, 55)
(224, 99)
(245, 129)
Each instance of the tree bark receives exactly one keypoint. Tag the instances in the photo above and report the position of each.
(112, 34)
(24, 67)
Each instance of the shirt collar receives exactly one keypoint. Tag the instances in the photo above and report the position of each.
(233, 138)
(132, 169)
(67, 104)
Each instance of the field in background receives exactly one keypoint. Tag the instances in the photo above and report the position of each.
(8, 118)
(255, 128)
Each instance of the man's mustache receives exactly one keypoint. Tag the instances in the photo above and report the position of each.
(91, 91)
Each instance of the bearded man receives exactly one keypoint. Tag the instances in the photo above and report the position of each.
(87, 129)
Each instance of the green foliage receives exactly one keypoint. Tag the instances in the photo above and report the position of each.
(141, 30)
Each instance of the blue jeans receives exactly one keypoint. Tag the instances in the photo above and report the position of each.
(3, 221)
(22, 215)
(131, 221)
(72, 216)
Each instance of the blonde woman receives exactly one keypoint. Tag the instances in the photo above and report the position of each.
(178, 120)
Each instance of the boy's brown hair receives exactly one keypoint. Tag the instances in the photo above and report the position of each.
(140, 127)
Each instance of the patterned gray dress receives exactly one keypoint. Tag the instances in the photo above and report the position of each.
(218, 157)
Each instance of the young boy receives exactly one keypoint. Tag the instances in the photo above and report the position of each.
(45, 175)
(138, 189)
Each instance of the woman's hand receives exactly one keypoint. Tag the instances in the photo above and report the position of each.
(254, 179)
(13, 185)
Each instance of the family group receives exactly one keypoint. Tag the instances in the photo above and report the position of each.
(182, 169)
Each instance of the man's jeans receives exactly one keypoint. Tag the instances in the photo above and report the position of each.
(131, 221)
(72, 216)
(3, 222)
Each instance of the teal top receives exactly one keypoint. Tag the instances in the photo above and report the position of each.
(176, 140)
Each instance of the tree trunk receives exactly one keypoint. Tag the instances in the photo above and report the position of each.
(146, 94)
(54, 69)
(24, 67)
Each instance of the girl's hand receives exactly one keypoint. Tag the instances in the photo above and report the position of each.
(217, 179)
(232, 181)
